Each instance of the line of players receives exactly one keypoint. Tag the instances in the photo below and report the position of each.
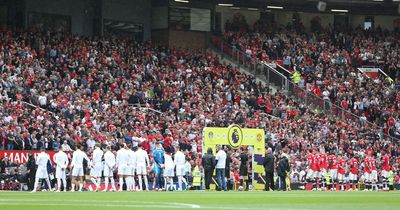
(327, 171)
(127, 163)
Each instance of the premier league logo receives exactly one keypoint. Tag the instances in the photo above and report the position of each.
(235, 136)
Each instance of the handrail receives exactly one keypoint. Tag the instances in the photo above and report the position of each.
(288, 81)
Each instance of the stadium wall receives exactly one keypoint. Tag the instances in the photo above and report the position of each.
(82, 12)
(284, 17)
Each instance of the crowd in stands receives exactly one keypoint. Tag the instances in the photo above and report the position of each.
(60, 90)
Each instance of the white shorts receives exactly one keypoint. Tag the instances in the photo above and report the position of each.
(96, 171)
(108, 172)
(385, 174)
(41, 173)
(169, 172)
(333, 173)
(322, 173)
(373, 176)
(123, 170)
(132, 170)
(180, 170)
(77, 171)
(60, 174)
(352, 177)
(366, 176)
(141, 170)
(340, 177)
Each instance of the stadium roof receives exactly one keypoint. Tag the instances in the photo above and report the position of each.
(365, 7)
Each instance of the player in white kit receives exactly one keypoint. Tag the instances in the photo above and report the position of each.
(61, 161)
(142, 162)
(168, 169)
(41, 173)
(122, 161)
(180, 161)
(97, 166)
(77, 167)
(130, 186)
(109, 164)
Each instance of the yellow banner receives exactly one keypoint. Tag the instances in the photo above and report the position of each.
(235, 137)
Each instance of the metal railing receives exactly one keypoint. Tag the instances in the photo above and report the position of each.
(260, 70)
(280, 77)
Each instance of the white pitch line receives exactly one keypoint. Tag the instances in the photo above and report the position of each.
(106, 202)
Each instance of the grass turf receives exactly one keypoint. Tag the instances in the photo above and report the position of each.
(200, 200)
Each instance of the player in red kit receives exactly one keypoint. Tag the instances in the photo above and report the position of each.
(374, 173)
(315, 169)
(323, 166)
(341, 163)
(353, 173)
(310, 172)
(332, 165)
(385, 171)
(367, 173)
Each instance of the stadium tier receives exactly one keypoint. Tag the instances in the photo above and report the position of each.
(120, 110)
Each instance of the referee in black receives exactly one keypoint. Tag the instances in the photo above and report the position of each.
(269, 170)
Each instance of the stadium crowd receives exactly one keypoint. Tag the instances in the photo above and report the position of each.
(326, 61)
(62, 91)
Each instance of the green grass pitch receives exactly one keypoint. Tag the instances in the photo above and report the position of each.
(200, 200)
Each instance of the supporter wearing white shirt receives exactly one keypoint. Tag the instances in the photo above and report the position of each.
(41, 173)
(61, 161)
(220, 168)
(142, 161)
(65, 147)
(77, 167)
(180, 160)
(42, 100)
(97, 166)
(109, 164)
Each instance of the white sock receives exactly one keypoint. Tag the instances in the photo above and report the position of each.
(80, 186)
(128, 183)
(121, 183)
(93, 181)
(73, 187)
(65, 184)
(140, 183)
(36, 184)
(106, 184)
(165, 183)
(171, 181)
(146, 182)
(58, 184)
(180, 182)
(112, 183)
(98, 182)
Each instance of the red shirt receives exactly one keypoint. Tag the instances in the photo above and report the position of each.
(332, 162)
(367, 167)
(341, 165)
(315, 163)
(323, 164)
(353, 165)
(372, 163)
(385, 165)
(310, 158)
